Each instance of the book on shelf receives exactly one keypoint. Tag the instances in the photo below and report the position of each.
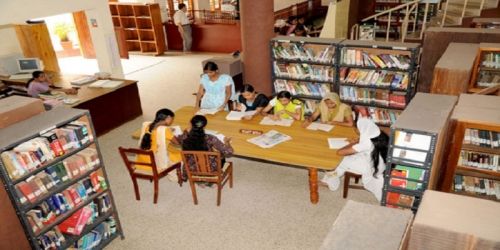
(379, 115)
(401, 174)
(301, 88)
(488, 79)
(408, 154)
(412, 140)
(76, 222)
(482, 138)
(304, 71)
(477, 186)
(52, 239)
(395, 199)
(375, 78)
(491, 60)
(355, 57)
(479, 160)
(302, 52)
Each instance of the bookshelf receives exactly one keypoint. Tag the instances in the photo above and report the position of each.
(486, 71)
(379, 76)
(474, 161)
(416, 151)
(306, 67)
(53, 172)
(142, 25)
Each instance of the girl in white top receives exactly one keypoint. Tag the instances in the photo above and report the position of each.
(365, 156)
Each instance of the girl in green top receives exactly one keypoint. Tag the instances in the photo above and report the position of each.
(332, 111)
(285, 107)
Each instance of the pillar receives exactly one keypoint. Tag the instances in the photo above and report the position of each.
(257, 29)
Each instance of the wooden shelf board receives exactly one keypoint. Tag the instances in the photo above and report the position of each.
(481, 149)
(303, 80)
(372, 105)
(148, 41)
(374, 68)
(133, 40)
(477, 172)
(489, 69)
(372, 87)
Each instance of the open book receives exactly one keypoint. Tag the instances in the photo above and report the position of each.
(282, 122)
(236, 115)
(320, 126)
(106, 84)
(207, 111)
(269, 139)
(336, 143)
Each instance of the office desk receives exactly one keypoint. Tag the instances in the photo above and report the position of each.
(307, 149)
(109, 108)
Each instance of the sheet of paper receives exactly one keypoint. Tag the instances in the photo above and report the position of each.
(320, 126)
(269, 139)
(236, 116)
(111, 84)
(283, 122)
(216, 134)
(336, 143)
(207, 111)
(98, 83)
(176, 130)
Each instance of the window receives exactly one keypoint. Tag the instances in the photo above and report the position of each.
(173, 6)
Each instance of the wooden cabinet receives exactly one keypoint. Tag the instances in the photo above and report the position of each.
(486, 71)
(142, 27)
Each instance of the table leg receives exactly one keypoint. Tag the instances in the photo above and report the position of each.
(313, 185)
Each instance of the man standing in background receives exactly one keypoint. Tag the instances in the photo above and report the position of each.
(184, 26)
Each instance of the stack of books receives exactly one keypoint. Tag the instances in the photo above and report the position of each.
(301, 88)
(376, 78)
(102, 232)
(304, 71)
(296, 51)
(401, 177)
(356, 57)
(52, 239)
(396, 199)
(476, 185)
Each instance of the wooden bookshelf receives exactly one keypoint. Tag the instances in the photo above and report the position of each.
(142, 26)
(474, 169)
(39, 200)
(486, 70)
(422, 128)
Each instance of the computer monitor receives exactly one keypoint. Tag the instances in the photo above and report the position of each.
(28, 65)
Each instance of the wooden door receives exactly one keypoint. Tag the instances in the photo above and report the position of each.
(34, 40)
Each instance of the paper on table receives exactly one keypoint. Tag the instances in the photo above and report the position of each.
(269, 139)
(336, 143)
(216, 134)
(176, 130)
(320, 126)
(207, 111)
(98, 83)
(236, 116)
(283, 122)
(112, 84)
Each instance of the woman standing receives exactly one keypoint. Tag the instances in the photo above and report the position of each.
(215, 89)
(331, 111)
(285, 107)
(249, 100)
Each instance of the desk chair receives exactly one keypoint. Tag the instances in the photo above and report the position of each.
(347, 178)
(197, 167)
(154, 174)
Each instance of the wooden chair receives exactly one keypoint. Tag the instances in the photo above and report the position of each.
(347, 178)
(129, 156)
(197, 167)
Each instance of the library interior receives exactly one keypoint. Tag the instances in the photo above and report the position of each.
(389, 110)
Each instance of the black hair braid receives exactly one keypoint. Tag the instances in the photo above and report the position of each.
(380, 144)
(146, 138)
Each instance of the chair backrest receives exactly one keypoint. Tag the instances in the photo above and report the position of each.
(199, 163)
(134, 157)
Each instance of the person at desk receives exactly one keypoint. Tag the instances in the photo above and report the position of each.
(215, 89)
(158, 137)
(365, 156)
(331, 111)
(197, 140)
(249, 100)
(285, 107)
(40, 83)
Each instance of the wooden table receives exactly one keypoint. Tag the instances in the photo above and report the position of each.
(307, 149)
(109, 108)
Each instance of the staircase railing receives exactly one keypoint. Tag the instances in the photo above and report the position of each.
(410, 8)
(464, 7)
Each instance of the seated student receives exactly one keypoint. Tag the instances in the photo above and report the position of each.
(250, 100)
(331, 111)
(158, 137)
(196, 140)
(365, 156)
(215, 89)
(40, 83)
(285, 107)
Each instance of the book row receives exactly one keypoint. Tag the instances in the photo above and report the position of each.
(488, 79)
(35, 153)
(296, 51)
(43, 182)
(377, 78)
(381, 116)
(304, 71)
(475, 185)
(372, 96)
(491, 60)
(482, 138)
(48, 211)
(382, 61)
(396, 199)
(54, 239)
(400, 175)
(302, 88)
(479, 160)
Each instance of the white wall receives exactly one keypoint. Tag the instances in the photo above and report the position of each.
(8, 46)
(18, 11)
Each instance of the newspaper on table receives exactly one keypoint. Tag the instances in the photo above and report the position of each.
(269, 139)
(336, 143)
(236, 115)
(282, 122)
(207, 111)
(320, 126)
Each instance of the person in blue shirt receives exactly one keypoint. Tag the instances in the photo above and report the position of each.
(215, 89)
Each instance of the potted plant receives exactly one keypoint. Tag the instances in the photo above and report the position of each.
(62, 29)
